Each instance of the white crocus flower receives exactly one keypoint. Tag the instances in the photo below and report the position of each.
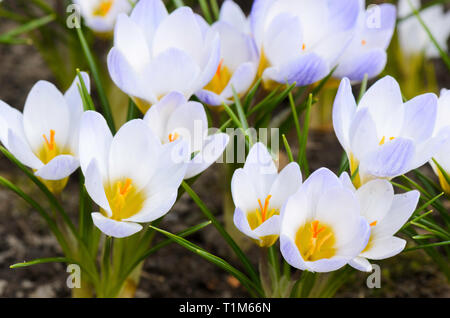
(238, 62)
(101, 15)
(384, 137)
(45, 136)
(174, 118)
(366, 53)
(321, 226)
(131, 176)
(414, 40)
(259, 192)
(156, 53)
(443, 128)
(386, 213)
(300, 40)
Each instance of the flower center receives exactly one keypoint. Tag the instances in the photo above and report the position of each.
(123, 199)
(173, 137)
(259, 216)
(370, 242)
(220, 79)
(315, 241)
(103, 8)
(49, 149)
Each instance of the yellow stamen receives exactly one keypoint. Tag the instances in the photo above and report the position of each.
(315, 242)
(173, 137)
(383, 140)
(258, 217)
(51, 143)
(103, 8)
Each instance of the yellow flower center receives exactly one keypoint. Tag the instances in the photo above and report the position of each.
(103, 8)
(315, 241)
(259, 216)
(123, 199)
(220, 79)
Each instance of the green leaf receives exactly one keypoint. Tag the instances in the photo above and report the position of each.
(29, 26)
(251, 286)
(442, 53)
(205, 10)
(418, 247)
(42, 261)
(96, 75)
(288, 148)
(239, 253)
(88, 104)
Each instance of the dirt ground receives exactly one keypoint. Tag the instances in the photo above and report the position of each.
(172, 271)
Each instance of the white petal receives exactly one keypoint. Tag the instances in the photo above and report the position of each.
(402, 208)
(45, 109)
(115, 228)
(130, 40)
(190, 123)
(148, 14)
(241, 222)
(363, 134)
(384, 248)
(158, 203)
(344, 109)
(385, 103)
(241, 80)
(361, 264)
(10, 118)
(95, 141)
(231, 13)
(179, 30)
(269, 227)
(132, 153)
(173, 70)
(158, 115)
(291, 253)
(375, 198)
(242, 191)
(22, 151)
(287, 183)
(58, 168)
(213, 148)
(420, 117)
(325, 265)
(94, 186)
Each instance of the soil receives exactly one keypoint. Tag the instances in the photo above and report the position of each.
(172, 271)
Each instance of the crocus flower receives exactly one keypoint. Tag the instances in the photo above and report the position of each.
(238, 58)
(366, 53)
(259, 192)
(384, 137)
(442, 157)
(386, 213)
(174, 118)
(414, 40)
(101, 15)
(156, 53)
(301, 40)
(45, 136)
(131, 176)
(321, 226)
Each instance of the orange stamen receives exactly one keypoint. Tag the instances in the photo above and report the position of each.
(219, 68)
(266, 206)
(104, 7)
(373, 223)
(363, 42)
(173, 137)
(126, 188)
(315, 229)
(51, 143)
(303, 46)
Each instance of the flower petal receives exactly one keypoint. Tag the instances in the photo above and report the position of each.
(291, 253)
(94, 186)
(344, 109)
(45, 109)
(58, 168)
(384, 248)
(115, 228)
(241, 222)
(361, 264)
(375, 198)
(213, 148)
(420, 117)
(22, 151)
(95, 141)
(287, 183)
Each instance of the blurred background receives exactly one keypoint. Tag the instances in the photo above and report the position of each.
(172, 271)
